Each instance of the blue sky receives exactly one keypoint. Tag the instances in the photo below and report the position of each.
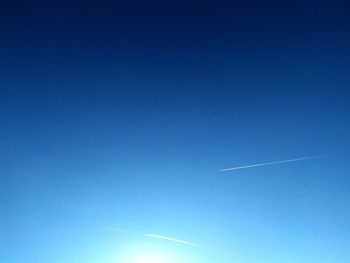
(121, 114)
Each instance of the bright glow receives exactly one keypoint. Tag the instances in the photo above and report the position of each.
(151, 259)
(156, 251)
(153, 255)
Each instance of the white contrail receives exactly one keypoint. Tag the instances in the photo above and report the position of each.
(173, 240)
(121, 230)
(270, 163)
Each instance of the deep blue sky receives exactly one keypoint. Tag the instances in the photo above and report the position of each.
(119, 114)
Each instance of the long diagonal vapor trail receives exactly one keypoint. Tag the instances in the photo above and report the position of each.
(173, 240)
(271, 163)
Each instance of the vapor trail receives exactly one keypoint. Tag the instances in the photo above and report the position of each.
(271, 163)
(124, 231)
(172, 239)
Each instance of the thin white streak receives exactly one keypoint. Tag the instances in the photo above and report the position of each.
(173, 240)
(271, 163)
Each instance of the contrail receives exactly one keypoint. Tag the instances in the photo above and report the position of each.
(173, 240)
(124, 231)
(271, 163)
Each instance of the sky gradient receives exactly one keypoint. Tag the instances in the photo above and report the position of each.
(120, 114)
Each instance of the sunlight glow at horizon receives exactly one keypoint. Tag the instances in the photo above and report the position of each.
(152, 255)
(152, 259)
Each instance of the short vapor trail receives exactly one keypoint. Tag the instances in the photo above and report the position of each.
(124, 231)
(172, 239)
(270, 163)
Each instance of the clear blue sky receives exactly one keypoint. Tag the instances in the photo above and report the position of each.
(119, 114)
